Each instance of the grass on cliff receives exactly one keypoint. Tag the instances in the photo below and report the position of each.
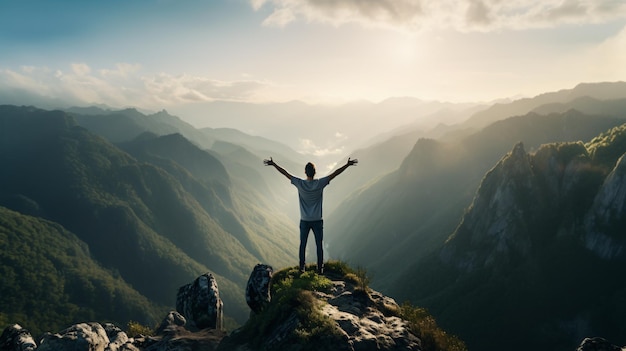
(423, 324)
(293, 298)
(293, 301)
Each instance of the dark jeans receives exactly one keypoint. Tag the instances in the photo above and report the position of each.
(318, 231)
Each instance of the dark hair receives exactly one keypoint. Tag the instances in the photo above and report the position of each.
(309, 170)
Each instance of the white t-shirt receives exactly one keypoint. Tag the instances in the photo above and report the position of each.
(310, 194)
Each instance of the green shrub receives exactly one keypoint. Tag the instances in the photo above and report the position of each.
(357, 276)
(292, 293)
(425, 327)
(134, 328)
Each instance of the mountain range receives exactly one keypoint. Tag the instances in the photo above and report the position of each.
(393, 226)
(420, 203)
(504, 220)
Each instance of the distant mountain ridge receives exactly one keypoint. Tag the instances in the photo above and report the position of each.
(126, 125)
(600, 91)
(459, 122)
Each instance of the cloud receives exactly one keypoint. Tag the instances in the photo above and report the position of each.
(461, 15)
(187, 88)
(120, 86)
(280, 18)
(308, 147)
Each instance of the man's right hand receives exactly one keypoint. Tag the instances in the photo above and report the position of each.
(269, 162)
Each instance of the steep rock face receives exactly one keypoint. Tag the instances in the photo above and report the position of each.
(522, 203)
(604, 224)
(540, 226)
(497, 216)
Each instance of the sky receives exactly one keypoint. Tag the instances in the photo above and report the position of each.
(154, 54)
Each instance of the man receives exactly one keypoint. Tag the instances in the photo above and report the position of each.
(310, 191)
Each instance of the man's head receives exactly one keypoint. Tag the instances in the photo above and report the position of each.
(309, 170)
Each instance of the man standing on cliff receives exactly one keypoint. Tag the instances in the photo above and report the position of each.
(310, 191)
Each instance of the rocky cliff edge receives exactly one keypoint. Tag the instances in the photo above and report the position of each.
(291, 310)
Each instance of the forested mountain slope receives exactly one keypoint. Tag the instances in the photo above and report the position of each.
(156, 219)
(49, 280)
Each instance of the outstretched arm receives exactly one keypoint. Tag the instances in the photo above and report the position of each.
(271, 162)
(338, 171)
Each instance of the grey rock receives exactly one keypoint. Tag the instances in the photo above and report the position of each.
(604, 234)
(362, 321)
(495, 215)
(16, 338)
(79, 337)
(171, 322)
(515, 200)
(258, 287)
(361, 317)
(181, 339)
(280, 333)
(598, 344)
(118, 340)
(200, 303)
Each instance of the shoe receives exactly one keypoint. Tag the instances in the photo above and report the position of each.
(320, 270)
(302, 270)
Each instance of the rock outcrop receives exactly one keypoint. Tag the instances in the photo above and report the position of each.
(336, 315)
(364, 319)
(540, 224)
(88, 337)
(524, 201)
(200, 303)
(598, 344)
(16, 338)
(258, 287)
(172, 321)
(605, 221)
(497, 216)
(349, 317)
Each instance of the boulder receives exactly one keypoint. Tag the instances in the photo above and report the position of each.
(199, 302)
(171, 323)
(364, 321)
(79, 337)
(597, 344)
(16, 338)
(258, 287)
(118, 339)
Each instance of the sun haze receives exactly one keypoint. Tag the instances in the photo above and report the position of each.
(159, 53)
